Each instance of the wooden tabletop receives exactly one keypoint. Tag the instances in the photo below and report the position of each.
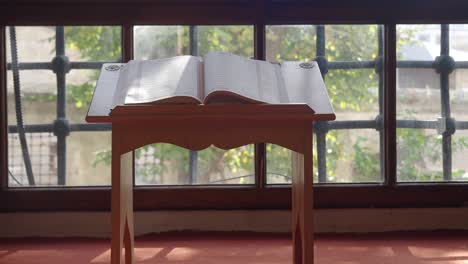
(131, 113)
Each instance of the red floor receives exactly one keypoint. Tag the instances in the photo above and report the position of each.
(414, 248)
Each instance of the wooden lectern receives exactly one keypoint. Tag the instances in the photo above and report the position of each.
(197, 127)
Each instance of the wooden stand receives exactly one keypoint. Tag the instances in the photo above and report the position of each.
(197, 127)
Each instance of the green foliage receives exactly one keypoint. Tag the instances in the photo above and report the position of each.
(94, 44)
(80, 95)
(420, 154)
(459, 144)
(234, 39)
(336, 143)
(104, 156)
(365, 164)
(291, 43)
(160, 158)
(278, 164)
(39, 97)
(351, 42)
(350, 90)
(236, 159)
(411, 165)
(354, 90)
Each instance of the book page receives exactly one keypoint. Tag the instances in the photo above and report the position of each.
(271, 83)
(230, 73)
(106, 85)
(171, 80)
(231, 78)
(127, 74)
(305, 85)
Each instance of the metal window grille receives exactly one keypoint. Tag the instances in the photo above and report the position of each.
(60, 128)
(446, 125)
(43, 150)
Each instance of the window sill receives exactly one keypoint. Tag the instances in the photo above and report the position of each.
(237, 197)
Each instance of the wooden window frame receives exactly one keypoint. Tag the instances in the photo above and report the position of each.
(259, 13)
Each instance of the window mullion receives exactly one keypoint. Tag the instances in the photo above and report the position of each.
(193, 155)
(444, 71)
(390, 103)
(379, 125)
(260, 149)
(320, 128)
(60, 66)
(3, 113)
(127, 54)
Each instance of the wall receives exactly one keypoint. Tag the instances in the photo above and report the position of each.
(97, 224)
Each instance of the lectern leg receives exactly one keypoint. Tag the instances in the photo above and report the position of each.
(122, 208)
(302, 209)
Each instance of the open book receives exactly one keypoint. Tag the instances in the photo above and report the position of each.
(218, 78)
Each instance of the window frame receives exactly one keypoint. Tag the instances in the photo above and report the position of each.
(126, 13)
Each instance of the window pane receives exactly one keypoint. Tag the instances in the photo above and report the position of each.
(351, 42)
(290, 42)
(427, 151)
(80, 89)
(353, 156)
(418, 42)
(279, 160)
(418, 94)
(218, 166)
(96, 43)
(419, 155)
(458, 42)
(286, 42)
(38, 93)
(153, 42)
(354, 93)
(171, 165)
(89, 158)
(37, 47)
(419, 150)
(418, 86)
(161, 164)
(233, 39)
(34, 44)
(353, 85)
(459, 154)
(459, 108)
(42, 149)
(459, 92)
(166, 164)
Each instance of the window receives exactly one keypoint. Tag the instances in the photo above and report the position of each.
(166, 164)
(57, 71)
(431, 139)
(398, 90)
(348, 56)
